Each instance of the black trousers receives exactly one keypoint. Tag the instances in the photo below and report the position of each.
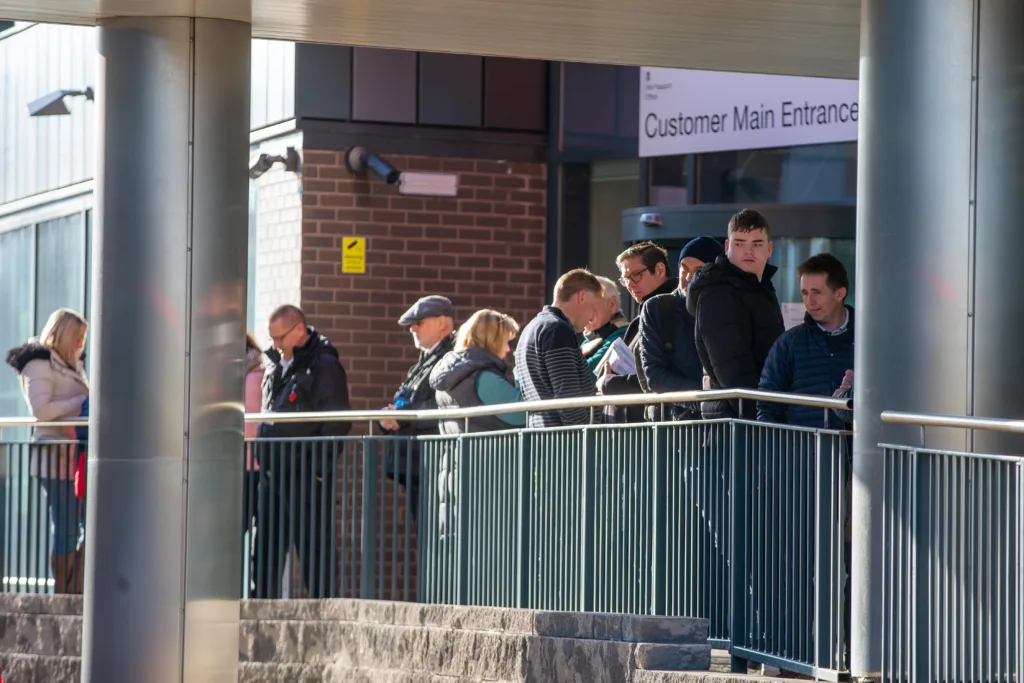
(293, 514)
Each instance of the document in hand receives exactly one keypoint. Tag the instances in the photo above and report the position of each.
(620, 359)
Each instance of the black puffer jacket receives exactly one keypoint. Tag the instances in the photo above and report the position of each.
(314, 382)
(738, 321)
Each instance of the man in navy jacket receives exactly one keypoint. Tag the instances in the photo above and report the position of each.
(675, 365)
(816, 356)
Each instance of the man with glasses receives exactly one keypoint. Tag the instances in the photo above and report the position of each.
(645, 274)
(304, 374)
(737, 313)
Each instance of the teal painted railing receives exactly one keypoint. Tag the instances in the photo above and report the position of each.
(742, 523)
(953, 558)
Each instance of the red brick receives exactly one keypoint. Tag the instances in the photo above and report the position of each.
(389, 216)
(473, 207)
(405, 258)
(492, 221)
(439, 260)
(476, 180)
(457, 165)
(511, 182)
(371, 202)
(406, 203)
(413, 231)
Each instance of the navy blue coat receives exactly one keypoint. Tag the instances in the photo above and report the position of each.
(682, 371)
(805, 360)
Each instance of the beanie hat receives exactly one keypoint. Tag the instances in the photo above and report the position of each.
(705, 249)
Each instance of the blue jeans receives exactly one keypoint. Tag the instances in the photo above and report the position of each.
(67, 521)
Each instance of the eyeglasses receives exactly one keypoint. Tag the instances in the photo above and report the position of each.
(277, 340)
(632, 277)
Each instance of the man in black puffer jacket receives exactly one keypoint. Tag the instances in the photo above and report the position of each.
(737, 313)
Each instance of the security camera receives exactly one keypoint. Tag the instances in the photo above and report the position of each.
(264, 162)
(358, 160)
(651, 220)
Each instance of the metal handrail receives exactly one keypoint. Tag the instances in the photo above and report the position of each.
(989, 424)
(822, 402)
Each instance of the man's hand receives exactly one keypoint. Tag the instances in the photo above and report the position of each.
(706, 383)
(389, 425)
(847, 384)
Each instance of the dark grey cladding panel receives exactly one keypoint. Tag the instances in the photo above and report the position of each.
(451, 90)
(515, 94)
(323, 83)
(384, 85)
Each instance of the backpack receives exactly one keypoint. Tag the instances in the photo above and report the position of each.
(667, 323)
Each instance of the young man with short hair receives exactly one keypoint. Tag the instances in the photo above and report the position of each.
(815, 357)
(549, 363)
(737, 313)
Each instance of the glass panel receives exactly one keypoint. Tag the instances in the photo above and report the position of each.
(15, 312)
(250, 294)
(814, 174)
(668, 181)
(790, 252)
(60, 266)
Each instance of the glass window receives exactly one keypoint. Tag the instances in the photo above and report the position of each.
(790, 252)
(60, 266)
(668, 181)
(813, 174)
(15, 310)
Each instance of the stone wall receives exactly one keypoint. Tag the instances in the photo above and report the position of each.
(310, 641)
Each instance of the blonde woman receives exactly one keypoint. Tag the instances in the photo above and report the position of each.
(473, 374)
(54, 385)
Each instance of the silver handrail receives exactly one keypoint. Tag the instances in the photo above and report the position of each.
(988, 424)
(822, 402)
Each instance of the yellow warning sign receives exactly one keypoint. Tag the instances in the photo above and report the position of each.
(353, 255)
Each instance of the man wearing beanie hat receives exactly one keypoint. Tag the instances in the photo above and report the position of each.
(668, 353)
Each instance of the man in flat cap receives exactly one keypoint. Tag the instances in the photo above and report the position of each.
(431, 323)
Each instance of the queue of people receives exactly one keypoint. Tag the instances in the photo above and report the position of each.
(715, 324)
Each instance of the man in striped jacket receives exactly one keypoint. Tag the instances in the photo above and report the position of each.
(549, 363)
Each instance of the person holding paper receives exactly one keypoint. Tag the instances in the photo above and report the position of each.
(668, 351)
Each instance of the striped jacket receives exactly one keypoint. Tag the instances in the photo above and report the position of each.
(549, 365)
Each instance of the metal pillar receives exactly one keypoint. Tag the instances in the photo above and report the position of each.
(163, 571)
(938, 275)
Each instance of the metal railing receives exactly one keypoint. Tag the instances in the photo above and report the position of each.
(740, 522)
(953, 557)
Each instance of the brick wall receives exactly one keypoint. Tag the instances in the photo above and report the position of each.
(484, 249)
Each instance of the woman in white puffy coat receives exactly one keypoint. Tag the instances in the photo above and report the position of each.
(54, 385)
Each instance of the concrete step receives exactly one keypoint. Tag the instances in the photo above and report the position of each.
(48, 635)
(702, 677)
(27, 668)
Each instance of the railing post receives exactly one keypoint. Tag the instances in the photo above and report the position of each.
(460, 460)
(739, 468)
(659, 576)
(920, 558)
(5, 454)
(368, 531)
(525, 490)
(826, 640)
(588, 501)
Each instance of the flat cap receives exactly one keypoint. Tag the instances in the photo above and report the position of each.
(428, 307)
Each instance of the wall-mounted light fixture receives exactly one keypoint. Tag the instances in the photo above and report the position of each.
(264, 162)
(53, 104)
(358, 160)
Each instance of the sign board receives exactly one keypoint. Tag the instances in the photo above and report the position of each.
(683, 111)
(429, 184)
(793, 314)
(353, 255)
